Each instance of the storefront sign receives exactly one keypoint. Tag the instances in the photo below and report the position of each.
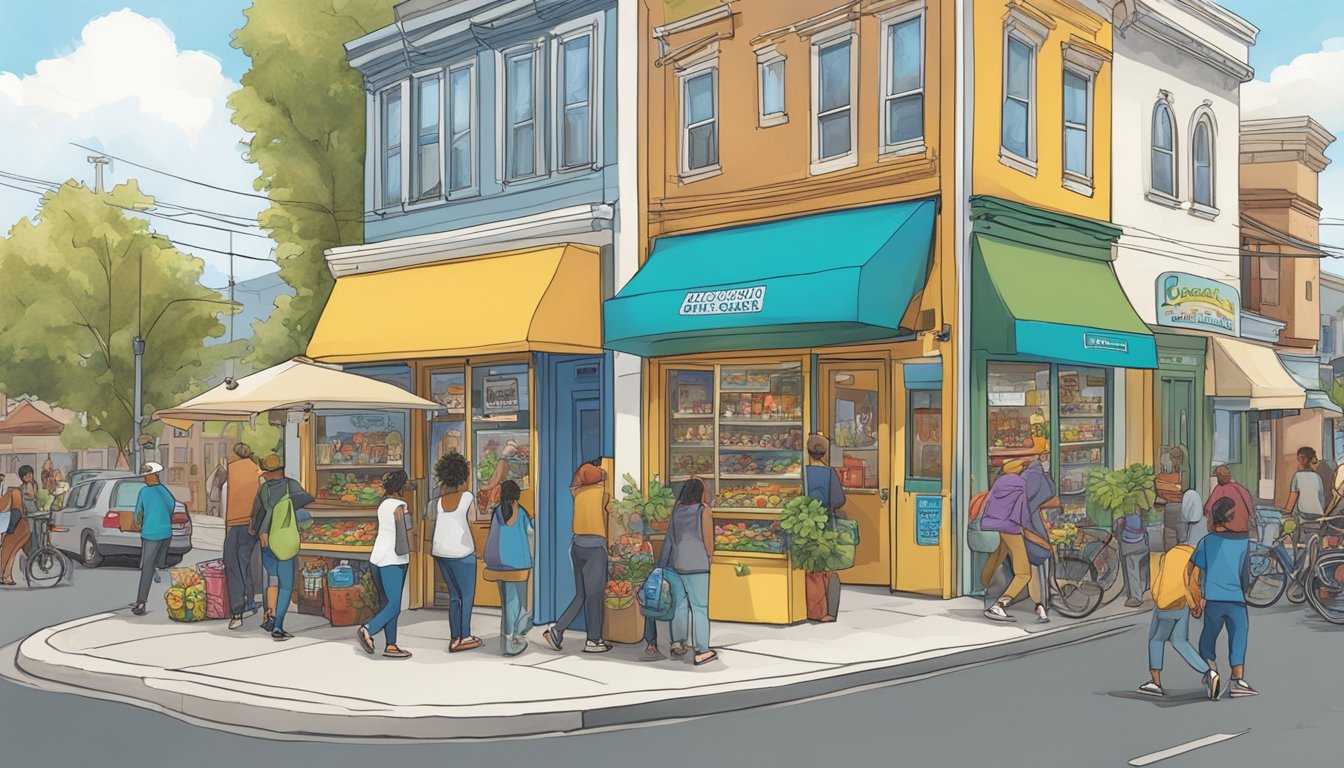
(501, 395)
(1189, 361)
(736, 301)
(1190, 301)
(1108, 343)
(928, 520)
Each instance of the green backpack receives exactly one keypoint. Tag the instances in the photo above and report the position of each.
(284, 533)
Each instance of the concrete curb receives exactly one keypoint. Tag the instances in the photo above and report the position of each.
(34, 662)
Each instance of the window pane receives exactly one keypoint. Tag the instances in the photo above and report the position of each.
(926, 435)
(834, 77)
(699, 98)
(1075, 99)
(905, 118)
(1163, 179)
(429, 175)
(392, 119)
(392, 178)
(428, 109)
(459, 100)
(772, 88)
(1162, 129)
(577, 140)
(577, 70)
(1201, 148)
(905, 56)
(521, 139)
(520, 89)
(1075, 151)
(703, 146)
(1015, 127)
(1203, 185)
(1019, 70)
(460, 162)
(835, 134)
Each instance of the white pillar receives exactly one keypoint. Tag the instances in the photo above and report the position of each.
(627, 390)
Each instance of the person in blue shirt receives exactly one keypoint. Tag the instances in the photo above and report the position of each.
(154, 516)
(1223, 560)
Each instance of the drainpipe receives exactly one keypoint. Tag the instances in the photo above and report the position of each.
(627, 379)
(964, 121)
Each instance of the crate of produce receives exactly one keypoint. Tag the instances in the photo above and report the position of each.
(185, 599)
(216, 589)
(311, 585)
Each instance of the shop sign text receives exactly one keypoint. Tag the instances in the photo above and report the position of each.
(1194, 302)
(1107, 343)
(928, 520)
(501, 395)
(733, 301)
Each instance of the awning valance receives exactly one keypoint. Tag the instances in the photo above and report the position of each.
(1247, 376)
(1306, 371)
(831, 278)
(539, 300)
(1050, 305)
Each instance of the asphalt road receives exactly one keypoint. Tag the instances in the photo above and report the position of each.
(1069, 706)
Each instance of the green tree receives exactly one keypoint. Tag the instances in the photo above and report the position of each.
(304, 108)
(76, 285)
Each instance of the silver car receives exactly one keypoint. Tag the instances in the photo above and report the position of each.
(91, 516)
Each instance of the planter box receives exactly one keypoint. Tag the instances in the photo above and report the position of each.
(623, 625)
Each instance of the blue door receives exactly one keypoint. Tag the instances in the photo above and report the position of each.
(575, 437)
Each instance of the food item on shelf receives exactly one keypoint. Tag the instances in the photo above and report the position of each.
(748, 536)
(749, 464)
(692, 463)
(780, 439)
(348, 533)
(757, 496)
(486, 469)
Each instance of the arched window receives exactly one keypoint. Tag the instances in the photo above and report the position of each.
(1164, 150)
(1201, 158)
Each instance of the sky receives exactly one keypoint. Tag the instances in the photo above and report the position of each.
(147, 80)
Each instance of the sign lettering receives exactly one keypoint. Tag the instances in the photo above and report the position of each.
(1191, 301)
(1107, 343)
(732, 301)
(928, 520)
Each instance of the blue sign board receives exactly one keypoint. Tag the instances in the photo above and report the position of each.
(928, 520)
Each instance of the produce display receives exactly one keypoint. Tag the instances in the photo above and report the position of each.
(1074, 431)
(186, 597)
(760, 405)
(748, 536)
(349, 533)
(757, 437)
(773, 496)
(639, 512)
(760, 464)
(364, 489)
(361, 448)
(693, 433)
(692, 463)
(629, 563)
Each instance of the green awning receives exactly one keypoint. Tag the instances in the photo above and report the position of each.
(831, 278)
(1054, 306)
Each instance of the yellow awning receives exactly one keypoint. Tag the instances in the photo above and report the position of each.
(1250, 375)
(538, 300)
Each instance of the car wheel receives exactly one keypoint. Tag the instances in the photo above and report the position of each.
(88, 552)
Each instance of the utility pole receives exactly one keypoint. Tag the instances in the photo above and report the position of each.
(232, 308)
(98, 162)
(138, 349)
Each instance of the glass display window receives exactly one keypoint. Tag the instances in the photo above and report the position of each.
(447, 428)
(924, 458)
(1082, 430)
(761, 438)
(1019, 411)
(748, 535)
(500, 431)
(854, 450)
(691, 426)
(355, 449)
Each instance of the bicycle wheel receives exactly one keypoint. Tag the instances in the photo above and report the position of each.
(1108, 564)
(45, 568)
(1077, 592)
(1268, 578)
(1325, 587)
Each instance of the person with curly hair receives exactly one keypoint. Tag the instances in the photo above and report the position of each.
(451, 545)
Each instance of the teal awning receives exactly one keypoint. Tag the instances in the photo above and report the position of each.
(1054, 306)
(830, 278)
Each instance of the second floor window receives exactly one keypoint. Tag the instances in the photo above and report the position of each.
(1269, 280)
(771, 74)
(426, 173)
(461, 128)
(521, 149)
(903, 94)
(1019, 74)
(391, 147)
(1077, 125)
(575, 107)
(1164, 150)
(1201, 156)
(834, 122)
(700, 121)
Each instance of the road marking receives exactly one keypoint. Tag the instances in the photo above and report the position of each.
(1189, 746)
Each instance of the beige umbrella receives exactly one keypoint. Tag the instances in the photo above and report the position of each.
(296, 385)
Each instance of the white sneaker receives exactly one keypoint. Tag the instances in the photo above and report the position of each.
(1151, 689)
(1240, 688)
(1041, 616)
(596, 646)
(1213, 684)
(995, 612)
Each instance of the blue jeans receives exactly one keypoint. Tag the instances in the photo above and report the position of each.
(1173, 627)
(697, 605)
(514, 619)
(1218, 613)
(279, 573)
(460, 575)
(393, 579)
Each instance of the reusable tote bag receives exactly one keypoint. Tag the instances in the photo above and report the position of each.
(507, 547)
(284, 534)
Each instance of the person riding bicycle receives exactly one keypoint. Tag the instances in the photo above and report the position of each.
(21, 503)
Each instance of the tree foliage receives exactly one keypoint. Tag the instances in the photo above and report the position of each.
(304, 108)
(76, 282)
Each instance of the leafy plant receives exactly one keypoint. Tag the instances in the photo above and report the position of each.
(1121, 491)
(813, 546)
(635, 508)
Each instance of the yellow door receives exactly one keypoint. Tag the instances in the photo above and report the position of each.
(854, 414)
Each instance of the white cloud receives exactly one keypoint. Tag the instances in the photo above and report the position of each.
(128, 89)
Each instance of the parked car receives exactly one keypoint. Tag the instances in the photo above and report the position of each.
(84, 475)
(91, 518)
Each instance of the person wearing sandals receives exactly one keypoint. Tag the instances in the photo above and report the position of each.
(508, 563)
(453, 548)
(588, 550)
(686, 552)
(391, 557)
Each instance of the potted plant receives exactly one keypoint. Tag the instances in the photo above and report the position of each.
(1121, 492)
(813, 546)
(630, 559)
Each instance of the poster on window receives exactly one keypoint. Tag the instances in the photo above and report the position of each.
(501, 395)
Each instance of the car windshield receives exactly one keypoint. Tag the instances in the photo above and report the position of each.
(78, 477)
(125, 495)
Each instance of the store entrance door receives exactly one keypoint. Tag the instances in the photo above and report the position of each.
(855, 414)
(1178, 429)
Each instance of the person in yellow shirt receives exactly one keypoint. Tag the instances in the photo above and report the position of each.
(592, 509)
(1177, 596)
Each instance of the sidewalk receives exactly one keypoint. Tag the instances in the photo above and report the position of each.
(320, 686)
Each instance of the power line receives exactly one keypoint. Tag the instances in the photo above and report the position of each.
(171, 217)
(223, 218)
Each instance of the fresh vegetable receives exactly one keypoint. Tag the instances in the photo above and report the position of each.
(486, 468)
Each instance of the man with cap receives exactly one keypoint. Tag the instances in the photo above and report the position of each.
(279, 573)
(243, 479)
(154, 517)
(822, 483)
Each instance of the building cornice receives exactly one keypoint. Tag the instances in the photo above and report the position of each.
(1223, 19)
(1285, 139)
(1142, 17)
(588, 224)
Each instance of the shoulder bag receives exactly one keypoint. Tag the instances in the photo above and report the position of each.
(848, 530)
(283, 537)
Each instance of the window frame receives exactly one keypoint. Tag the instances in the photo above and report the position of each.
(768, 57)
(473, 130)
(401, 89)
(413, 134)
(1007, 156)
(843, 34)
(540, 164)
(886, 148)
(1268, 259)
(708, 65)
(1072, 180)
(590, 27)
(1204, 117)
(1171, 199)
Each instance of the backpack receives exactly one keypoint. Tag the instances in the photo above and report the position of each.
(283, 538)
(1169, 582)
(659, 593)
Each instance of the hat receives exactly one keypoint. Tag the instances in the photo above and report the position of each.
(818, 444)
(1040, 445)
(151, 468)
(272, 463)
(1014, 466)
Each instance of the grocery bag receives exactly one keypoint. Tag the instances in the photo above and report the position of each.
(216, 589)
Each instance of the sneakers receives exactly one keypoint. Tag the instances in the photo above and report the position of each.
(1151, 689)
(596, 646)
(1133, 602)
(995, 612)
(235, 622)
(1240, 688)
(1213, 684)
(268, 625)
(158, 576)
(281, 635)
(1041, 616)
(139, 609)
(553, 638)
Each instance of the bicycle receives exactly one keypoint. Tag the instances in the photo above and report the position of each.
(1082, 577)
(1273, 571)
(46, 565)
(1325, 586)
